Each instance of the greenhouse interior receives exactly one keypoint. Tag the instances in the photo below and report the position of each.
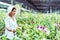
(36, 19)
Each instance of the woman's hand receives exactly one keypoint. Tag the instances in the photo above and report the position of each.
(18, 27)
(14, 31)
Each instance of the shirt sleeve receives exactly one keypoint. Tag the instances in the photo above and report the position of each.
(16, 23)
(7, 23)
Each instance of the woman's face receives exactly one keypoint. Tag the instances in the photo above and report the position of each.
(12, 13)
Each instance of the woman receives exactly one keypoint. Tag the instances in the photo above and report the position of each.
(10, 23)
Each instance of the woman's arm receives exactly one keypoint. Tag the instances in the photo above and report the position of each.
(9, 29)
(18, 27)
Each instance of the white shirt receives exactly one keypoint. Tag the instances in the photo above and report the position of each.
(9, 22)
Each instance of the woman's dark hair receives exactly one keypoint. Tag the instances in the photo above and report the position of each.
(13, 8)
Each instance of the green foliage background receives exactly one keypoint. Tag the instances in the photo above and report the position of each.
(28, 23)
